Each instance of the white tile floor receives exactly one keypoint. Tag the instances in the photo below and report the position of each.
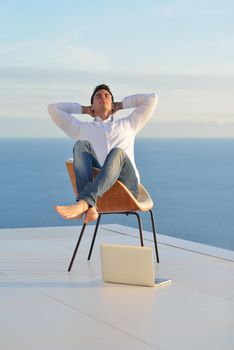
(42, 306)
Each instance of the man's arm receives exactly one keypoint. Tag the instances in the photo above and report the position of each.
(61, 114)
(144, 105)
(88, 110)
(117, 106)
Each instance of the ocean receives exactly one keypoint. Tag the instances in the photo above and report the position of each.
(191, 182)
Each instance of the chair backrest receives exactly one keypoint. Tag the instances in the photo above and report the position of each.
(118, 198)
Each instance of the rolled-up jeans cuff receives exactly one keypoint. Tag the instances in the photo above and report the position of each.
(88, 199)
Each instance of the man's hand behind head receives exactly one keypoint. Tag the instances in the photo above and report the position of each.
(117, 106)
(88, 110)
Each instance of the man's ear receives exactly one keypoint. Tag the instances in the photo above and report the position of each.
(92, 109)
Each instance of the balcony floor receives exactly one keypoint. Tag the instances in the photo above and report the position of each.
(42, 306)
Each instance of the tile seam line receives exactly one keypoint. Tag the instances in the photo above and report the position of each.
(102, 322)
(43, 240)
(8, 275)
(204, 292)
(88, 315)
(171, 245)
(149, 240)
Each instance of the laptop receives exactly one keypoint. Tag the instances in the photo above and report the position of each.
(129, 264)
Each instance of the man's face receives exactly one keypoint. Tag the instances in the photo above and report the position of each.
(102, 103)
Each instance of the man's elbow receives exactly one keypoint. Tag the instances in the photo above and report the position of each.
(51, 109)
(154, 99)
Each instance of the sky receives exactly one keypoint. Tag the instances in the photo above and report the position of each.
(53, 51)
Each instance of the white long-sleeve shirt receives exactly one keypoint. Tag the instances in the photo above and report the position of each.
(106, 134)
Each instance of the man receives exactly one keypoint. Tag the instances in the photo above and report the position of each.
(104, 143)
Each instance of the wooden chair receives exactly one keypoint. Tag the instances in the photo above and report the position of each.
(117, 200)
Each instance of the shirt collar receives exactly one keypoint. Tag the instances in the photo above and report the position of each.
(108, 120)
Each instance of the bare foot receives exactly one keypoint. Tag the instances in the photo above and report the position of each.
(91, 215)
(73, 212)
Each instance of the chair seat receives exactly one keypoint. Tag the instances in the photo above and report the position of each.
(118, 198)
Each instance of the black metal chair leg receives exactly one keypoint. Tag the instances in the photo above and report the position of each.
(154, 234)
(77, 246)
(96, 229)
(140, 226)
(94, 236)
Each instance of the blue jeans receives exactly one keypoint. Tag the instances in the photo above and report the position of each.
(117, 166)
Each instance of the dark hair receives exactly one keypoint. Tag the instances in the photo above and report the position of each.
(100, 87)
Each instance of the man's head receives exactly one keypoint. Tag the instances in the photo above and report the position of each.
(102, 101)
